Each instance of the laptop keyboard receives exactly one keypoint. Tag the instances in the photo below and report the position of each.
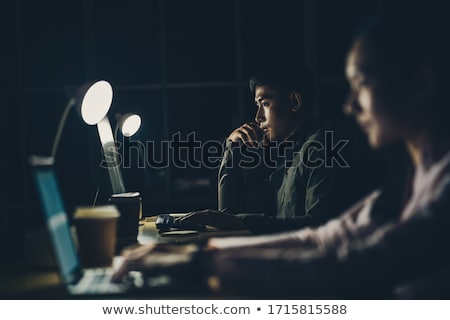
(97, 281)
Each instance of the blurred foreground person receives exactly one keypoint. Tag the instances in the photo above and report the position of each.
(394, 242)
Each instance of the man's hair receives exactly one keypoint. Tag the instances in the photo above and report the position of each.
(285, 79)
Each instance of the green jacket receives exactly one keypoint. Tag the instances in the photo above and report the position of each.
(298, 188)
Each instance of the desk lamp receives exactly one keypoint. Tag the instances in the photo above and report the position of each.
(93, 107)
(128, 124)
(96, 104)
(92, 101)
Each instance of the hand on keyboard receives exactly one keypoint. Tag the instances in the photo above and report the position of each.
(214, 218)
(153, 259)
(166, 222)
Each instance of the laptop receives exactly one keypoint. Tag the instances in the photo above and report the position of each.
(88, 282)
(73, 276)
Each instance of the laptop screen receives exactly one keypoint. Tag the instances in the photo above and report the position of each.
(57, 223)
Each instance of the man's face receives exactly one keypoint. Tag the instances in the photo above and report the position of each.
(274, 114)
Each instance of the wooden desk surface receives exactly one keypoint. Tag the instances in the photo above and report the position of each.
(21, 281)
(149, 233)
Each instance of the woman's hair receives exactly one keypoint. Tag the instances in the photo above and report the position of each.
(404, 39)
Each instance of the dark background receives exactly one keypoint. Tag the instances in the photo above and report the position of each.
(182, 65)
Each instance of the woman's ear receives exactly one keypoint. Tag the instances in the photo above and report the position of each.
(296, 101)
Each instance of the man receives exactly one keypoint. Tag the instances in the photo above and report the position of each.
(282, 170)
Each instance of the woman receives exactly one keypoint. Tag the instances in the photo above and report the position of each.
(397, 73)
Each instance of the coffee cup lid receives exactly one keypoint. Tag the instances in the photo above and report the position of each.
(104, 211)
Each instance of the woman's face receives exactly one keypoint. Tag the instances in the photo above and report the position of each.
(373, 97)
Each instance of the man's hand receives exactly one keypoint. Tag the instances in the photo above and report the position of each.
(213, 218)
(249, 134)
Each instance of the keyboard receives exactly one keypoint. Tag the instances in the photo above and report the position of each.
(98, 281)
(167, 222)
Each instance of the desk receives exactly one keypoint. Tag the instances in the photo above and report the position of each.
(26, 280)
(148, 233)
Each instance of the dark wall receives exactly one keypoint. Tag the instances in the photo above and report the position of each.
(181, 65)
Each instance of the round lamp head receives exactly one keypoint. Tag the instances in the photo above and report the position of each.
(96, 102)
(130, 124)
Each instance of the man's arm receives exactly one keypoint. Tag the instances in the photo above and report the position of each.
(242, 181)
(230, 181)
(307, 196)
